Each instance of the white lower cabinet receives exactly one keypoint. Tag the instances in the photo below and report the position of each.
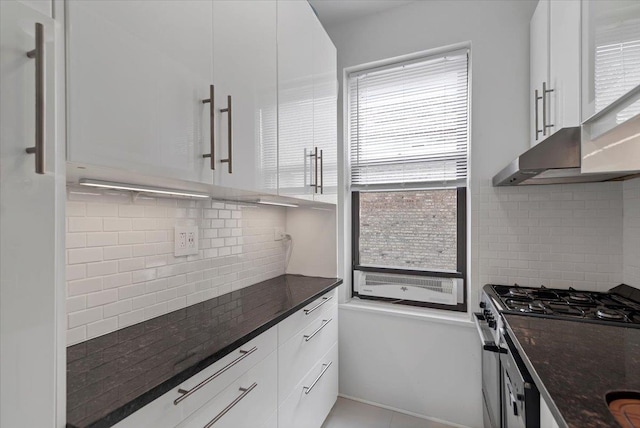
(313, 397)
(246, 403)
(301, 352)
(285, 377)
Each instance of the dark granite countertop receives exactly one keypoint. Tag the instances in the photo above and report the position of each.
(575, 364)
(112, 376)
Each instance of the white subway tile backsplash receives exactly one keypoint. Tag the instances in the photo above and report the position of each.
(84, 317)
(558, 235)
(102, 239)
(129, 318)
(117, 308)
(83, 286)
(76, 240)
(102, 327)
(120, 264)
(117, 252)
(631, 227)
(102, 268)
(101, 298)
(84, 255)
(85, 224)
(116, 224)
(76, 272)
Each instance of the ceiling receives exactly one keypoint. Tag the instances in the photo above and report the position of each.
(333, 12)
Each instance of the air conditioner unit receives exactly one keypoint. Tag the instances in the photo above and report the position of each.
(446, 291)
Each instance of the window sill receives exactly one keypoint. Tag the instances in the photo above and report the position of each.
(424, 314)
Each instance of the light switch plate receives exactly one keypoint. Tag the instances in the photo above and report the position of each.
(186, 240)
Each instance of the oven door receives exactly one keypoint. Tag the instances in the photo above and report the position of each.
(490, 374)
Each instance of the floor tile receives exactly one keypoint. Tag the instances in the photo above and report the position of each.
(353, 414)
(400, 420)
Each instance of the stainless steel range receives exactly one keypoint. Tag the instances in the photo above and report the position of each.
(510, 397)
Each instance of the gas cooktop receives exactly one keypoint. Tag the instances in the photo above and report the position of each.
(606, 308)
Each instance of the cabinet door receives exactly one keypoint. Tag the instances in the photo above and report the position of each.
(610, 54)
(138, 72)
(295, 98)
(245, 68)
(539, 68)
(564, 64)
(325, 111)
(29, 217)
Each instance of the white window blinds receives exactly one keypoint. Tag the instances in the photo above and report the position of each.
(408, 123)
(617, 63)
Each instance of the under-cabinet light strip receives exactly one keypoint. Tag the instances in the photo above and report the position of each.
(138, 188)
(278, 204)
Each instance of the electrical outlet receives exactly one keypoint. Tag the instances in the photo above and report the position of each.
(278, 233)
(186, 240)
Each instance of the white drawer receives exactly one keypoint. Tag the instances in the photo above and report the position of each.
(160, 413)
(301, 319)
(309, 408)
(298, 355)
(272, 422)
(226, 370)
(246, 403)
(163, 412)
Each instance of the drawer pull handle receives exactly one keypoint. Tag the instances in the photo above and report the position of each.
(325, 367)
(245, 392)
(324, 300)
(308, 337)
(187, 392)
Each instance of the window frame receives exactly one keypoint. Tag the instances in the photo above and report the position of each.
(461, 255)
(462, 186)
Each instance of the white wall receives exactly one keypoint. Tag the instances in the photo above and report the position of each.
(499, 36)
(631, 232)
(314, 240)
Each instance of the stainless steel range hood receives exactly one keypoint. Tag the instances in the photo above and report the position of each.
(556, 160)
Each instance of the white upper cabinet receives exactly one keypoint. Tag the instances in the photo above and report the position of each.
(295, 99)
(137, 74)
(555, 67)
(141, 74)
(307, 104)
(245, 72)
(325, 105)
(564, 63)
(611, 86)
(539, 66)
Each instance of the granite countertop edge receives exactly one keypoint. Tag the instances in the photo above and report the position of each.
(544, 393)
(142, 400)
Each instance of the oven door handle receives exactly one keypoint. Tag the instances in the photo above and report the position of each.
(488, 344)
(492, 347)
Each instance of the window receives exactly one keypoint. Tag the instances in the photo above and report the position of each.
(408, 135)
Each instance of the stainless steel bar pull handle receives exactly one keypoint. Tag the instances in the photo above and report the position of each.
(38, 54)
(245, 392)
(308, 337)
(324, 300)
(321, 174)
(313, 172)
(325, 367)
(545, 91)
(187, 392)
(537, 98)
(315, 151)
(212, 125)
(229, 112)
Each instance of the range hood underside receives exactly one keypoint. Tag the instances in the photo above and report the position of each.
(555, 160)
